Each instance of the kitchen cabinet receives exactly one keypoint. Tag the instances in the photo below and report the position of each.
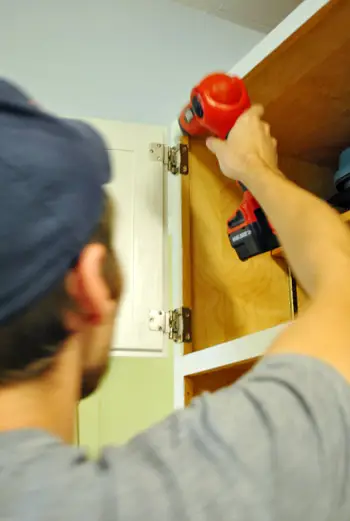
(300, 74)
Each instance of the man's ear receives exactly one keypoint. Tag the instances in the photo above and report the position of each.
(87, 288)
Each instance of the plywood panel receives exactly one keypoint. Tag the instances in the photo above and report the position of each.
(303, 300)
(230, 299)
(214, 380)
(189, 390)
(314, 178)
(305, 87)
(278, 256)
(301, 297)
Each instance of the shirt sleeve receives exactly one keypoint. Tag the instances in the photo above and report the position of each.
(274, 446)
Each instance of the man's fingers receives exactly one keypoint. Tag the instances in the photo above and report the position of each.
(267, 129)
(215, 145)
(257, 111)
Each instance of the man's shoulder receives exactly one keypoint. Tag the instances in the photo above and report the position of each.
(38, 473)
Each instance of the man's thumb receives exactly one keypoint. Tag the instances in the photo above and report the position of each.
(215, 145)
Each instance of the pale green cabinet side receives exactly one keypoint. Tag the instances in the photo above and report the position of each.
(137, 393)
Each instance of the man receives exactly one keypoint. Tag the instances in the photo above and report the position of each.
(276, 445)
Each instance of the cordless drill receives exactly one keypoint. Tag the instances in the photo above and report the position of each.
(215, 105)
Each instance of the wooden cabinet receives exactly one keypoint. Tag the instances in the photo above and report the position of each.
(300, 73)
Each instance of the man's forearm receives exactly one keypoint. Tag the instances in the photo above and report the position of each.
(316, 242)
(317, 246)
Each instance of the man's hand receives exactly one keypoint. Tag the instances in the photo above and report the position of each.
(248, 149)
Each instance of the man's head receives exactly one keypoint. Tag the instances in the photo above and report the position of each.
(59, 278)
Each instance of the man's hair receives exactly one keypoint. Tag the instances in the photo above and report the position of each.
(30, 340)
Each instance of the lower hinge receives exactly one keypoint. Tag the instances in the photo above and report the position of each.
(177, 323)
(174, 158)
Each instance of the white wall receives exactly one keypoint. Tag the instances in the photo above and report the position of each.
(131, 60)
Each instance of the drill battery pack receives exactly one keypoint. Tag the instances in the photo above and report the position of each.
(249, 230)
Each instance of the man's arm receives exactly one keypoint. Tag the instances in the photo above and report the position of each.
(315, 241)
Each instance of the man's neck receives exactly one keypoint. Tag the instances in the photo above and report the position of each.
(46, 403)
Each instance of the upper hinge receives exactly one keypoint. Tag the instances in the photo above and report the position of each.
(174, 158)
(177, 323)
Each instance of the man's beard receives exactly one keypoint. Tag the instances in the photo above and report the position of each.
(92, 379)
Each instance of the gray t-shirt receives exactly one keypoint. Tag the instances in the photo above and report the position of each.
(273, 447)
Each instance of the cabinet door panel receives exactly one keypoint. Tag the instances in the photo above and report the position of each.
(138, 189)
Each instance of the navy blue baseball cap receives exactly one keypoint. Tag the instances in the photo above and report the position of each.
(52, 173)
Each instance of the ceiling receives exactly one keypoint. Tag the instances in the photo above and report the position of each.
(262, 15)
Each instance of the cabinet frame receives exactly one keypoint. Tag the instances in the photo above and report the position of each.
(191, 363)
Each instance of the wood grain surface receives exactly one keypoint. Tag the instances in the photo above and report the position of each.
(229, 298)
(305, 87)
(214, 380)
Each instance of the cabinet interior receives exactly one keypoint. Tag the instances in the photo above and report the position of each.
(305, 88)
(230, 298)
(197, 384)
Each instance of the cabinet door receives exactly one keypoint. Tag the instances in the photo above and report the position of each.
(138, 189)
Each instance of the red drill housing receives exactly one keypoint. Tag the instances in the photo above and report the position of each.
(216, 104)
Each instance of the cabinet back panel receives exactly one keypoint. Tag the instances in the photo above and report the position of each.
(214, 380)
(229, 298)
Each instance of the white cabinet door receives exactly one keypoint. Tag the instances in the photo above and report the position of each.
(140, 238)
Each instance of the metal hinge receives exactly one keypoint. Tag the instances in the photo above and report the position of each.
(174, 158)
(177, 324)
